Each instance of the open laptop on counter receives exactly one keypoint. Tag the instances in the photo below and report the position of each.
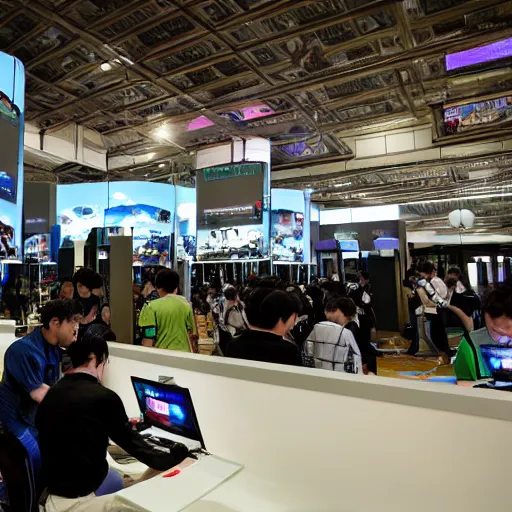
(169, 415)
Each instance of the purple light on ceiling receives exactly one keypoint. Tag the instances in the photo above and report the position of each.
(199, 123)
(487, 53)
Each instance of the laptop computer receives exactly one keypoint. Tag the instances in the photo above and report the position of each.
(169, 413)
(499, 362)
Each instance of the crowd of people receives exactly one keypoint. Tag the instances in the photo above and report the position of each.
(324, 325)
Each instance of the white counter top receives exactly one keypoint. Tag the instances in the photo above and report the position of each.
(318, 441)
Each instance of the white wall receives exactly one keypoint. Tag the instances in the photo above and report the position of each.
(314, 441)
(317, 441)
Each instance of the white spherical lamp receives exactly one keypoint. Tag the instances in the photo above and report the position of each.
(462, 219)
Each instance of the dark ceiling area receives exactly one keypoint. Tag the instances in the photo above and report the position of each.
(167, 77)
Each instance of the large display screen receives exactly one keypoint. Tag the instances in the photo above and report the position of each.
(12, 105)
(230, 212)
(287, 225)
(10, 137)
(229, 195)
(144, 206)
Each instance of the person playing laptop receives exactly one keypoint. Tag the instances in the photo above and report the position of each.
(497, 310)
(76, 420)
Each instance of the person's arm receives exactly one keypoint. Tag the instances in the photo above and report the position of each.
(27, 371)
(467, 321)
(191, 329)
(147, 324)
(422, 294)
(121, 432)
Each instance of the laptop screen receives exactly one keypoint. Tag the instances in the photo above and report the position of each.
(168, 407)
(499, 361)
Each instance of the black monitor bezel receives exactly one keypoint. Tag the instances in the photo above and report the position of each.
(171, 387)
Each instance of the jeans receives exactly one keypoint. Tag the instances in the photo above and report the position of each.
(113, 482)
(28, 437)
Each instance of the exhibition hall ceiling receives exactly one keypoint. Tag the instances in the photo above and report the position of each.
(165, 77)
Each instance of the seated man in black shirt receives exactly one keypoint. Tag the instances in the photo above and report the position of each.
(76, 420)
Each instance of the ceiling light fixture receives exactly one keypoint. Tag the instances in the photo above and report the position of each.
(161, 166)
(465, 198)
(347, 184)
(105, 66)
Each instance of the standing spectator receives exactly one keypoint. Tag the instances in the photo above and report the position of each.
(67, 290)
(234, 316)
(343, 311)
(167, 322)
(331, 346)
(433, 293)
(270, 321)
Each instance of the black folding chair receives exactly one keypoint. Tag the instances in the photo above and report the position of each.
(16, 470)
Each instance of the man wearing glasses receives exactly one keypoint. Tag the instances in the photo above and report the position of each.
(31, 367)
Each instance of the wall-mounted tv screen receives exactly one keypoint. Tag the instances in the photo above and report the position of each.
(230, 195)
(144, 206)
(10, 137)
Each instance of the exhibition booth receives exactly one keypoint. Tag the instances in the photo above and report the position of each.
(314, 440)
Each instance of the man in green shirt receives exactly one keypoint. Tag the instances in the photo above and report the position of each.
(167, 322)
(497, 308)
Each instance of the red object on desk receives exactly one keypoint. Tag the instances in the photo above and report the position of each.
(172, 473)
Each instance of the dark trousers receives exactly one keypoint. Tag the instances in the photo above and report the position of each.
(415, 342)
(438, 334)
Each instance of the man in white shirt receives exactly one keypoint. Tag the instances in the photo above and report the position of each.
(434, 293)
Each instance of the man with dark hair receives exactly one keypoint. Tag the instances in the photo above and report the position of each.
(276, 316)
(497, 309)
(31, 367)
(433, 293)
(167, 322)
(343, 311)
(75, 422)
(233, 317)
(86, 282)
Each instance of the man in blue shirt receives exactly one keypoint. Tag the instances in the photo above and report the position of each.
(31, 367)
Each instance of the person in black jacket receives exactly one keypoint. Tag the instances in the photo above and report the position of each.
(271, 315)
(76, 420)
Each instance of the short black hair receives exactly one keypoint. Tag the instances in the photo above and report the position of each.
(278, 305)
(61, 309)
(456, 271)
(230, 293)
(498, 301)
(253, 304)
(167, 280)
(344, 304)
(94, 341)
(426, 267)
(88, 278)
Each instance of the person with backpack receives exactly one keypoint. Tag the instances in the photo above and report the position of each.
(234, 317)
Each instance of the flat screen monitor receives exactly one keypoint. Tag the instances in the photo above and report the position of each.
(499, 361)
(10, 136)
(168, 407)
(348, 245)
(386, 243)
(230, 195)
